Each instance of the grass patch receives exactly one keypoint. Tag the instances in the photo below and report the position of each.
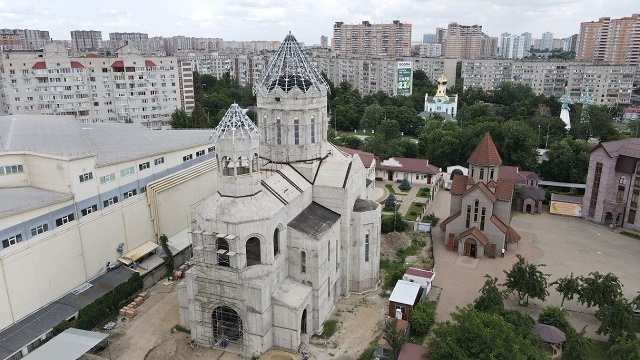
(330, 328)
(632, 235)
(391, 189)
(368, 354)
(414, 211)
(394, 269)
(598, 350)
(424, 192)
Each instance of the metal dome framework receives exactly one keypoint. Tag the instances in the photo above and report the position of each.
(288, 69)
(235, 125)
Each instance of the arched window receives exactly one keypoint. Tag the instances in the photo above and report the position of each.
(276, 242)
(254, 163)
(313, 129)
(296, 131)
(227, 325)
(227, 167)
(468, 222)
(491, 172)
(253, 251)
(243, 165)
(482, 218)
(366, 247)
(481, 173)
(475, 211)
(303, 262)
(223, 249)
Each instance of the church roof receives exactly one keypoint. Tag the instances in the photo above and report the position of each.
(510, 235)
(314, 220)
(235, 125)
(459, 184)
(473, 231)
(289, 68)
(443, 224)
(533, 192)
(485, 154)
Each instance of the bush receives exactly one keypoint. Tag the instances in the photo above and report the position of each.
(168, 256)
(390, 225)
(393, 271)
(404, 185)
(330, 328)
(368, 354)
(432, 219)
(423, 317)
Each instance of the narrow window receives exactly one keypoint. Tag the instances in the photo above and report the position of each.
(278, 131)
(276, 242)
(482, 218)
(620, 194)
(491, 174)
(475, 211)
(468, 222)
(329, 288)
(303, 262)
(366, 248)
(313, 130)
(329, 251)
(632, 216)
(481, 174)
(296, 131)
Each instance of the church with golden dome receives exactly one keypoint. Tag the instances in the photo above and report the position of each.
(441, 104)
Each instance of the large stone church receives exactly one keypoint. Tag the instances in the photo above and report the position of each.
(479, 221)
(292, 227)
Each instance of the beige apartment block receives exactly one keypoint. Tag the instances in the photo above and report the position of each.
(614, 41)
(463, 41)
(372, 39)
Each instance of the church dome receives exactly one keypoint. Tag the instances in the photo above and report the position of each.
(235, 125)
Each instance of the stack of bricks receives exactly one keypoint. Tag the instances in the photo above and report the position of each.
(131, 310)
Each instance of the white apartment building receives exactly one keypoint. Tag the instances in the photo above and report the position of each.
(128, 87)
(206, 63)
(76, 197)
(430, 50)
(370, 75)
(185, 69)
(608, 84)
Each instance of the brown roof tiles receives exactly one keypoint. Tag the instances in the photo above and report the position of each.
(504, 190)
(475, 233)
(448, 220)
(458, 185)
(485, 154)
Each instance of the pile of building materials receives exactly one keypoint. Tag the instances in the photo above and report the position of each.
(131, 310)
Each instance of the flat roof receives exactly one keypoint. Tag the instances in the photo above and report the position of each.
(420, 273)
(138, 252)
(314, 220)
(68, 345)
(562, 184)
(28, 329)
(20, 199)
(405, 292)
(62, 135)
(567, 198)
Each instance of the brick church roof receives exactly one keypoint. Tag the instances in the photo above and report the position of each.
(485, 154)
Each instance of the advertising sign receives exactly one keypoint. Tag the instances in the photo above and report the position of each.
(405, 77)
(565, 208)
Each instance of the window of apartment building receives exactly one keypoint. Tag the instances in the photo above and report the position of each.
(107, 178)
(130, 193)
(88, 210)
(12, 240)
(143, 189)
(187, 157)
(40, 229)
(366, 247)
(86, 177)
(199, 153)
(144, 166)
(128, 171)
(65, 219)
(12, 169)
(296, 131)
(158, 161)
(594, 190)
(211, 149)
(303, 262)
(111, 201)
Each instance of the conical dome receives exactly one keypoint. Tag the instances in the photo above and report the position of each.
(289, 68)
(235, 125)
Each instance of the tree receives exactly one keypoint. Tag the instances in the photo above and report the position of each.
(423, 316)
(568, 286)
(373, 115)
(626, 347)
(491, 298)
(199, 118)
(168, 256)
(527, 280)
(478, 335)
(393, 223)
(568, 161)
(576, 347)
(394, 337)
(600, 290)
(180, 119)
(404, 185)
(615, 319)
(390, 204)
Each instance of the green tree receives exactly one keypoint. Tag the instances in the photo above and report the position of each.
(392, 223)
(373, 115)
(600, 290)
(568, 161)
(615, 319)
(526, 280)
(180, 119)
(625, 347)
(394, 336)
(423, 316)
(199, 118)
(568, 286)
(405, 185)
(576, 346)
(478, 335)
(388, 130)
(390, 204)
(491, 299)
(168, 256)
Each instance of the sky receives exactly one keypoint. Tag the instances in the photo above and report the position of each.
(244, 20)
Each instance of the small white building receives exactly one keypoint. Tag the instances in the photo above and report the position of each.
(404, 297)
(422, 277)
(441, 104)
(417, 171)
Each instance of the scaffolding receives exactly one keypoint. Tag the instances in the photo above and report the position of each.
(218, 291)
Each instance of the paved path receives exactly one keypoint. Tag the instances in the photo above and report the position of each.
(407, 199)
(564, 244)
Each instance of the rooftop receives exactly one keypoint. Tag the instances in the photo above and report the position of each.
(405, 292)
(63, 136)
(485, 154)
(314, 220)
(235, 125)
(70, 344)
(20, 199)
(412, 165)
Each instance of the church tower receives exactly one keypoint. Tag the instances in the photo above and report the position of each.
(292, 107)
(237, 151)
(484, 161)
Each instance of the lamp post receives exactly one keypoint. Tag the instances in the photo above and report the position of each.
(546, 142)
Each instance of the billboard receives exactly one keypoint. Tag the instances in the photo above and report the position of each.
(565, 208)
(405, 78)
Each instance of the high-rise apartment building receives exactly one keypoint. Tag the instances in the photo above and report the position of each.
(463, 41)
(128, 87)
(514, 46)
(614, 41)
(29, 39)
(429, 38)
(139, 41)
(372, 39)
(430, 50)
(547, 41)
(85, 40)
(324, 42)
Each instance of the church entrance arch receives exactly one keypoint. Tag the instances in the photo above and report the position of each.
(227, 326)
(528, 211)
(470, 247)
(608, 218)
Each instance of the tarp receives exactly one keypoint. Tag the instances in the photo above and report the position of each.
(70, 344)
(138, 252)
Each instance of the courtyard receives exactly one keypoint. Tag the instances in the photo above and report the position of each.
(564, 244)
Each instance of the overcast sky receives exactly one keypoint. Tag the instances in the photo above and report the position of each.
(307, 19)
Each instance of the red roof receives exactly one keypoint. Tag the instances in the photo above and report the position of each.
(499, 224)
(93, 55)
(411, 165)
(149, 63)
(76, 64)
(476, 234)
(480, 185)
(448, 220)
(366, 157)
(39, 65)
(504, 190)
(511, 235)
(118, 63)
(412, 352)
(419, 273)
(514, 174)
(459, 184)
(485, 154)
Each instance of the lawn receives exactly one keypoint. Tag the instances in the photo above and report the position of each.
(414, 211)
(390, 188)
(424, 192)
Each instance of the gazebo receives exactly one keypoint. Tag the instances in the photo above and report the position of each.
(552, 337)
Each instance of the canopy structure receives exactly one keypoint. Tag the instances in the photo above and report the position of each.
(70, 344)
(549, 333)
(137, 253)
(235, 125)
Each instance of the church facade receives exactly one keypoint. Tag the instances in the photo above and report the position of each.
(480, 214)
(291, 228)
(441, 104)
